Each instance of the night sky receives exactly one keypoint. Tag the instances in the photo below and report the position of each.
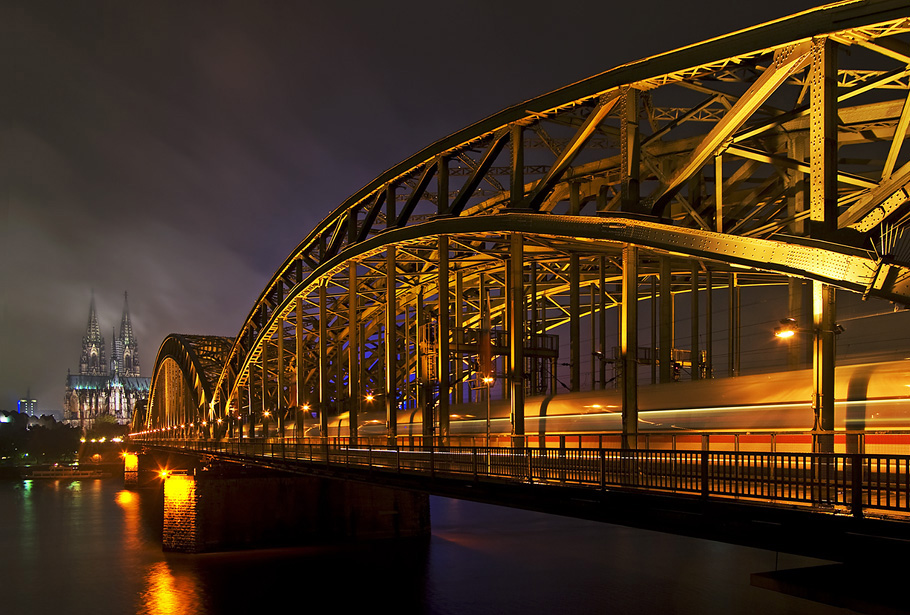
(180, 150)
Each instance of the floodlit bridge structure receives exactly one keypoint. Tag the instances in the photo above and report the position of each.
(471, 287)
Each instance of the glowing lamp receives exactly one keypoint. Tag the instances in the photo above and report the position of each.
(787, 328)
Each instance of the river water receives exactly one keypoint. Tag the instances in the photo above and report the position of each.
(92, 547)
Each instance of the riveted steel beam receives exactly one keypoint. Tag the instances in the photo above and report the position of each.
(543, 188)
(786, 62)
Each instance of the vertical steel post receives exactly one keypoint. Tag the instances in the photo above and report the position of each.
(251, 427)
(281, 405)
(733, 325)
(694, 354)
(323, 361)
(709, 325)
(593, 336)
(652, 358)
(822, 224)
(391, 206)
(517, 187)
(516, 296)
(264, 358)
(823, 139)
(300, 400)
(629, 346)
(630, 149)
(602, 271)
(391, 349)
(574, 327)
(422, 347)
(666, 320)
(824, 316)
(459, 337)
(719, 192)
(354, 394)
(442, 185)
(443, 365)
(534, 332)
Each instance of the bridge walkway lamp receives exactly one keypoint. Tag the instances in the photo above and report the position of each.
(489, 380)
(822, 438)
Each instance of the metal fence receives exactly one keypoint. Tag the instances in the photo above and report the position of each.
(858, 484)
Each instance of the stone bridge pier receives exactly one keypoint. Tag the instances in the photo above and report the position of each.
(211, 507)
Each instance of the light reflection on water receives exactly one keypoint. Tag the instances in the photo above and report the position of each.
(92, 547)
(166, 593)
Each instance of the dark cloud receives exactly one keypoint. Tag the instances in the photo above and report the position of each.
(180, 150)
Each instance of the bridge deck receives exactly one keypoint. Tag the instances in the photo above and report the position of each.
(790, 501)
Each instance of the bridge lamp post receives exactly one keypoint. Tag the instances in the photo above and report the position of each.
(265, 423)
(306, 410)
(488, 380)
(824, 336)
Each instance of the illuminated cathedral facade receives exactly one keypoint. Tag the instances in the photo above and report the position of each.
(105, 387)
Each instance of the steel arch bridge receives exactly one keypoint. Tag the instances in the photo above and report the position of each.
(771, 155)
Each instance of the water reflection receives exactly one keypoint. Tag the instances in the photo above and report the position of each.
(93, 547)
(166, 593)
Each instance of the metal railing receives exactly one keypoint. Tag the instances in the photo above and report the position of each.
(857, 484)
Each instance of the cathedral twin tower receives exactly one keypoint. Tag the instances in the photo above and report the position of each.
(103, 388)
(124, 359)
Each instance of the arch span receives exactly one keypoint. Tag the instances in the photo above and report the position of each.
(182, 385)
(766, 156)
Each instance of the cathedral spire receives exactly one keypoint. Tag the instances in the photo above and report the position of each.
(127, 351)
(92, 361)
(126, 327)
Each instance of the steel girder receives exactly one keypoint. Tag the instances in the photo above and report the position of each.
(641, 138)
(549, 235)
(199, 360)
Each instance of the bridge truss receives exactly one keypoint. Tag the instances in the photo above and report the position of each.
(772, 155)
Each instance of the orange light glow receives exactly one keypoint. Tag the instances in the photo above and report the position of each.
(166, 592)
(179, 488)
(130, 462)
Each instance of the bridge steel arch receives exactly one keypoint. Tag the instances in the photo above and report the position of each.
(761, 157)
(180, 395)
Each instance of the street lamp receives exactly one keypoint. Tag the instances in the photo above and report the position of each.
(488, 380)
(788, 328)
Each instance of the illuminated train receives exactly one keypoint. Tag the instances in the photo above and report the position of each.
(869, 397)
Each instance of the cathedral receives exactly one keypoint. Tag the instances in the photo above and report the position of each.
(105, 387)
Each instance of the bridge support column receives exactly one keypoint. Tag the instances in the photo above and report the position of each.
(574, 325)
(422, 364)
(443, 370)
(733, 341)
(516, 339)
(246, 510)
(823, 366)
(323, 362)
(130, 469)
(281, 404)
(694, 353)
(354, 394)
(264, 371)
(299, 336)
(629, 347)
(391, 349)
(665, 359)
(709, 324)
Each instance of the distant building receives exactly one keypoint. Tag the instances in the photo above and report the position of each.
(105, 388)
(28, 405)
